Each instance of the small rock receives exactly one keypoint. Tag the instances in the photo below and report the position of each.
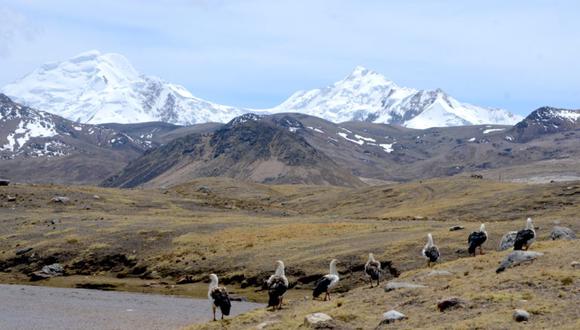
(316, 318)
(185, 279)
(575, 264)
(22, 251)
(559, 232)
(11, 198)
(266, 324)
(60, 199)
(402, 285)
(392, 316)
(516, 258)
(450, 303)
(96, 197)
(521, 315)
(204, 189)
(455, 228)
(440, 273)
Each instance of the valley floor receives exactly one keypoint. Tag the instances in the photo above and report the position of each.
(145, 240)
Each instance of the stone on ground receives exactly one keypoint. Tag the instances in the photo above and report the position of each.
(392, 316)
(440, 273)
(516, 258)
(559, 232)
(316, 318)
(402, 285)
(450, 303)
(521, 315)
(508, 240)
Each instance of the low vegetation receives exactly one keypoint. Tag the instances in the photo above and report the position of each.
(147, 239)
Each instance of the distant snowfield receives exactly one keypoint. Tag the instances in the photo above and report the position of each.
(104, 88)
(37, 126)
(491, 130)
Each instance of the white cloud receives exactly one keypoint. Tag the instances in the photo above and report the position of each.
(14, 28)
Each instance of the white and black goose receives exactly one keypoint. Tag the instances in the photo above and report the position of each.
(277, 286)
(327, 282)
(373, 270)
(525, 237)
(430, 251)
(476, 240)
(218, 297)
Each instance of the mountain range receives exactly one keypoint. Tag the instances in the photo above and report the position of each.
(100, 88)
(36, 146)
(298, 148)
(96, 88)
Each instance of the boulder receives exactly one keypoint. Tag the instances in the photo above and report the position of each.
(559, 232)
(47, 272)
(402, 285)
(575, 264)
(521, 315)
(507, 241)
(4, 182)
(53, 270)
(392, 316)
(60, 199)
(450, 303)
(516, 258)
(314, 319)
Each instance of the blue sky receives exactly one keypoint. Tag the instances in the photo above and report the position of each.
(516, 55)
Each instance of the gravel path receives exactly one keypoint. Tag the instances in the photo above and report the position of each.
(32, 307)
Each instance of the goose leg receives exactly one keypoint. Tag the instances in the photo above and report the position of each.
(213, 309)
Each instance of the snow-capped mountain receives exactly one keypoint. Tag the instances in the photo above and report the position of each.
(546, 120)
(104, 88)
(365, 95)
(30, 133)
(19, 124)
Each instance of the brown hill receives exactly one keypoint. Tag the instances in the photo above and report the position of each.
(250, 147)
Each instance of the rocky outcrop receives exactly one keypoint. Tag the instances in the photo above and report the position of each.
(516, 258)
(559, 232)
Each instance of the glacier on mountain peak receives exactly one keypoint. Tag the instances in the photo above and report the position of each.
(94, 87)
